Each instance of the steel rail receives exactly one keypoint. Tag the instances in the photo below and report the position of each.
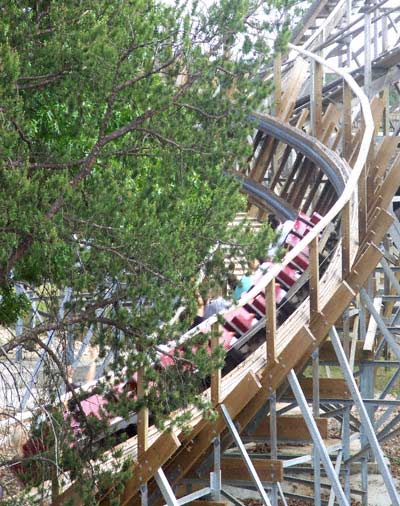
(336, 169)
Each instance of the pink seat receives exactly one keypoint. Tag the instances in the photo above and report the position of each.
(301, 228)
(305, 218)
(287, 277)
(240, 318)
(227, 338)
(315, 218)
(300, 262)
(292, 241)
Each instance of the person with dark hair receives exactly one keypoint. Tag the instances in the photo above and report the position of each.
(273, 221)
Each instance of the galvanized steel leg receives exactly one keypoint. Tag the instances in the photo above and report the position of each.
(215, 476)
(283, 498)
(316, 458)
(245, 456)
(365, 420)
(346, 450)
(338, 463)
(274, 443)
(364, 480)
(316, 437)
(165, 487)
(144, 495)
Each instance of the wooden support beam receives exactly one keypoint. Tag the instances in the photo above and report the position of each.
(362, 204)
(346, 121)
(329, 388)
(270, 324)
(346, 240)
(378, 226)
(275, 373)
(316, 98)
(278, 82)
(377, 107)
(333, 310)
(143, 417)
(385, 153)
(216, 375)
(390, 184)
(234, 468)
(363, 266)
(314, 277)
(289, 428)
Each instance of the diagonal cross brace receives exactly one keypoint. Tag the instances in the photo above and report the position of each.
(245, 455)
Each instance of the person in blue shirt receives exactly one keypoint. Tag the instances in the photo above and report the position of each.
(243, 285)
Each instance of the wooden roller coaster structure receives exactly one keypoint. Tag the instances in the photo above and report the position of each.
(317, 158)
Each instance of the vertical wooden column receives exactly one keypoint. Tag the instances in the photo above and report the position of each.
(370, 174)
(143, 418)
(278, 82)
(316, 99)
(346, 242)
(270, 314)
(216, 375)
(346, 120)
(314, 277)
(362, 204)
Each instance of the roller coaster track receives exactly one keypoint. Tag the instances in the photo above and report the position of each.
(352, 189)
(245, 389)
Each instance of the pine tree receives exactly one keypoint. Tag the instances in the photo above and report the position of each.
(119, 122)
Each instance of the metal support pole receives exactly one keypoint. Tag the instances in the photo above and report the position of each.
(274, 443)
(346, 450)
(364, 480)
(338, 464)
(144, 496)
(367, 388)
(316, 437)
(215, 476)
(165, 487)
(367, 50)
(348, 41)
(315, 406)
(376, 34)
(365, 420)
(245, 455)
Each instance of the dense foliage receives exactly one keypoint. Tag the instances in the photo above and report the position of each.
(118, 121)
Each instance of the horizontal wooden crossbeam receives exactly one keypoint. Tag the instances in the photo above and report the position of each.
(289, 428)
(234, 468)
(329, 388)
